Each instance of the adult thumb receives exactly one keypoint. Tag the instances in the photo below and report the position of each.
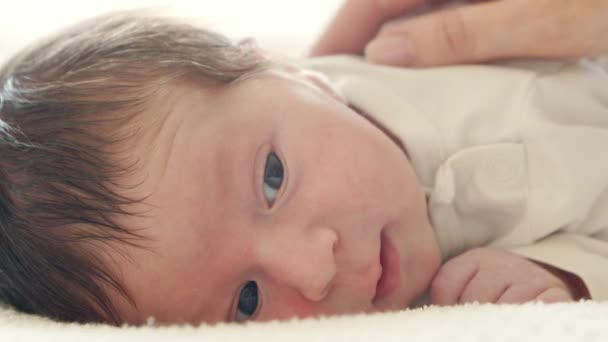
(464, 34)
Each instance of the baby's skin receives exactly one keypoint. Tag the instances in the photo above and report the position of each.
(488, 275)
(272, 198)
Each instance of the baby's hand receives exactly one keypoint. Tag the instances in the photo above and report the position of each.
(487, 275)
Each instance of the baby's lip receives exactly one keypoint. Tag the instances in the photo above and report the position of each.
(390, 277)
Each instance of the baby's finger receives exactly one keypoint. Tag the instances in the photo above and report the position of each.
(521, 293)
(451, 280)
(483, 289)
(554, 295)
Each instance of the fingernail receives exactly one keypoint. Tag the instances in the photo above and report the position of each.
(394, 50)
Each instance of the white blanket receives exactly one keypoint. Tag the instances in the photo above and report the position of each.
(584, 321)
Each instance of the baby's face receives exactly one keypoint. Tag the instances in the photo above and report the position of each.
(271, 199)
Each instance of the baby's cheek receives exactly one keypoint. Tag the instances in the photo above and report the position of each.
(284, 307)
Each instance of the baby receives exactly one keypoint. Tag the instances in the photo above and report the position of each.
(149, 168)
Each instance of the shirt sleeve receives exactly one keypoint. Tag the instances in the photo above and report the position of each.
(542, 192)
(566, 143)
(584, 256)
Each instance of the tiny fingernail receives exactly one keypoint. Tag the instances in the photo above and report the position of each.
(394, 50)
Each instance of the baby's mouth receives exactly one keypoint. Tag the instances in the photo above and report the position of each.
(390, 278)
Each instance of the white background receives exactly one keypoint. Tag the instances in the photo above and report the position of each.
(286, 26)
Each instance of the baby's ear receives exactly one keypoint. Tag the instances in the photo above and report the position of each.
(322, 82)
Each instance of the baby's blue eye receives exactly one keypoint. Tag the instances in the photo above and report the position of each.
(247, 302)
(273, 177)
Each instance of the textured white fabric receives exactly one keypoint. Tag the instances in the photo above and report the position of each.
(572, 322)
(532, 322)
(513, 156)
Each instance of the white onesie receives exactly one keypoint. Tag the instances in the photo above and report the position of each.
(513, 156)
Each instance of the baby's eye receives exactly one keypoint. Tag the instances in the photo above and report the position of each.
(247, 302)
(273, 177)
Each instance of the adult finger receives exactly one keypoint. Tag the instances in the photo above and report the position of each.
(356, 23)
(468, 33)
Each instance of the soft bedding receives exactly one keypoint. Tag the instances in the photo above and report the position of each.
(583, 321)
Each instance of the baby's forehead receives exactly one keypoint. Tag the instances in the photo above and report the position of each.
(173, 101)
(164, 118)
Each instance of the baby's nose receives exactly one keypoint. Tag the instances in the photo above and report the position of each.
(303, 260)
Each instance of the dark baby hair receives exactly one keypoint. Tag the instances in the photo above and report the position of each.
(67, 107)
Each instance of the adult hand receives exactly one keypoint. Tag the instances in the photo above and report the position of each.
(488, 275)
(470, 32)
